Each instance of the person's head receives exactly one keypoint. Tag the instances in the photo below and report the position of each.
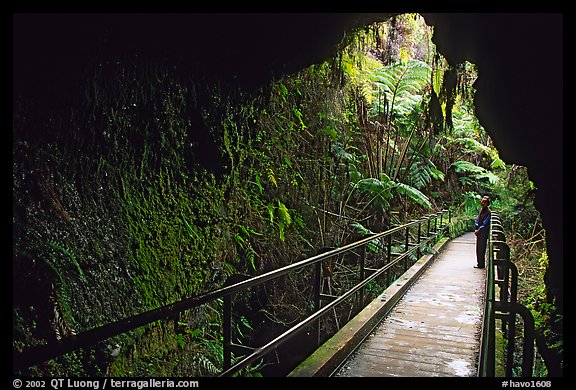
(485, 201)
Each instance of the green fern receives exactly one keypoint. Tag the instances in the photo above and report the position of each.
(330, 131)
(379, 191)
(270, 207)
(422, 172)
(438, 78)
(55, 246)
(497, 162)
(463, 166)
(373, 245)
(341, 154)
(284, 215)
(353, 173)
(403, 83)
(271, 177)
(489, 176)
(470, 144)
(258, 184)
(414, 194)
(475, 172)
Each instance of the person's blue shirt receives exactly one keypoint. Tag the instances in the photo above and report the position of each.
(482, 225)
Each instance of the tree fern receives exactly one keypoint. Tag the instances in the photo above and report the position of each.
(403, 83)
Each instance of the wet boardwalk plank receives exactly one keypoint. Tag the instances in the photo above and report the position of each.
(434, 330)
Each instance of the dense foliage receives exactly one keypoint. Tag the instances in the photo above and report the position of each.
(155, 186)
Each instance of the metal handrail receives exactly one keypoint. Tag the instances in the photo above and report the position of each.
(503, 272)
(38, 354)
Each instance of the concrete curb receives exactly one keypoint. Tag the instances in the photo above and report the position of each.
(328, 357)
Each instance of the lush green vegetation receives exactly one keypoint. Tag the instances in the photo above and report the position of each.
(155, 186)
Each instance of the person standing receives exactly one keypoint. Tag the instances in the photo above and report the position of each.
(482, 229)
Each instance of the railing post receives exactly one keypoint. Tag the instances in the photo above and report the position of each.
(509, 268)
(502, 252)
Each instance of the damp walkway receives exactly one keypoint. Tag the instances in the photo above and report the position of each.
(435, 328)
(428, 324)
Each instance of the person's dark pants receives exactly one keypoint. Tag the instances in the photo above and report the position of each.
(481, 242)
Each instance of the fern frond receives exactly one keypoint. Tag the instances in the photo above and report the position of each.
(341, 154)
(403, 84)
(55, 246)
(471, 144)
(330, 131)
(359, 228)
(258, 184)
(354, 174)
(487, 175)
(436, 174)
(271, 177)
(270, 207)
(497, 162)
(373, 186)
(373, 245)
(379, 191)
(419, 176)
(463, 166)
(414, 194)
(284, 215)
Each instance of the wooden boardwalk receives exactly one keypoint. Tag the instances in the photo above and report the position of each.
(435, 328)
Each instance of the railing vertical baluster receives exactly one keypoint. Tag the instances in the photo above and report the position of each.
(362, 273)
(317, 292)
(441, 214)
(406, 247)
(389, 257)
(418, 251)
(227, 331)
